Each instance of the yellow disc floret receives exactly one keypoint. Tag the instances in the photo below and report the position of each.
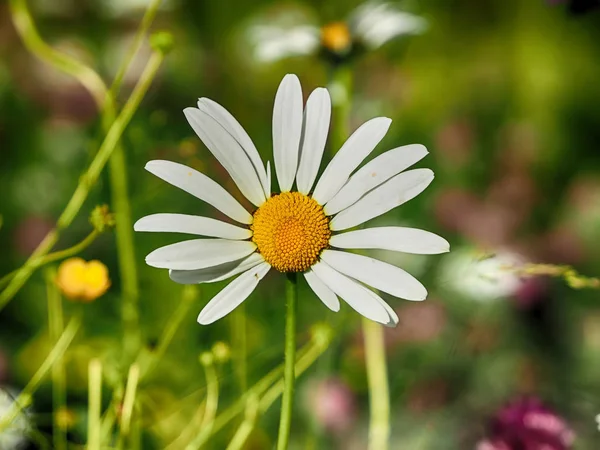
(290, 231)
(336, 37)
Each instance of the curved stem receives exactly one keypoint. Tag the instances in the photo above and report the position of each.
(379, 398)
(212, 402)
(61, 254)
(145, 24)
(24, 398)
(59, 392)
(287, 403)
(88, 179)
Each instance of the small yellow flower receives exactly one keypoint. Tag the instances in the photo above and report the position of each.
(81, 280)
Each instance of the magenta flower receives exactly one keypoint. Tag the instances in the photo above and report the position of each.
(526, 424)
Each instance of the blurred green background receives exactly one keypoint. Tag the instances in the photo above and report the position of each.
(505, 94)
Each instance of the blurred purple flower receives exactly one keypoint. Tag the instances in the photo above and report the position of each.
(527, 424)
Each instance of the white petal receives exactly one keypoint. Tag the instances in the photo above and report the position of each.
(399, 239)
(390, 194)
(393, 317)
(233, 294)
(287, 129)
(228, 152)
(357, 296)
(372, 174)
(376, 23)
(375, 273)
(326, 295)
(216, 273)
(316, 126)
(353, 152)
(229, 123)
(183, 223)
(269, 179)
(271, 43)
(200, 186)
(199, 253)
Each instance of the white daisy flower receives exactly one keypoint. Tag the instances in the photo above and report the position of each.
(297, 230)
(290, 32)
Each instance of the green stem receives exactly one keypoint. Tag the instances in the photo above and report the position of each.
(55, 256)
(289, 376)
(24, 25)
(59, 392)
(341, 87)
(243, 432)
(189, 296)
(88, 179)
(379, 426)
(307, 355)
(239, 345)
(24, 398)
(94, 405)
(212, 402)
(141, 32)
(128, 404)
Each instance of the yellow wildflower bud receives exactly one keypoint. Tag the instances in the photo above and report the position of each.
(336, 37)
(221, 352)
(81, 280)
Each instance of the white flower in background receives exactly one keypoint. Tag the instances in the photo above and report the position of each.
(291, 33)
(14, 436)
(482, 277)
(299, 230)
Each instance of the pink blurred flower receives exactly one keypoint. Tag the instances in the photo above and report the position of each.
(332, 404)
(527, 424)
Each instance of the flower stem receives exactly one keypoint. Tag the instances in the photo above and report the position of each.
(94, 405)
(88, 179)
(59, 393)
(55, 256)
(289, 376)
(270, 386)
(128, 404)
(379, 426)
(238, 341)
(24, 398)
(341, 88)
(212, 402)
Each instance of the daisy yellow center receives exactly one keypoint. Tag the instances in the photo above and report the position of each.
(336, 37)
(290, 231)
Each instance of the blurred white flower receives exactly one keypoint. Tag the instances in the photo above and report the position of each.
(291, 32)
(14, 436)
(482, 277)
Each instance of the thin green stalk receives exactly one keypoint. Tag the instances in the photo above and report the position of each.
(189, 296)
(24, 25)
(55, 256)
(289, 375)
(141, 32)
(89, 178)
(306, 356)
(24, 398)
(128, 404)
(239, 345)
(341, 88)
(379, 398)
(59, 390)
(94, 405)
(212, 402)
(243, 432)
